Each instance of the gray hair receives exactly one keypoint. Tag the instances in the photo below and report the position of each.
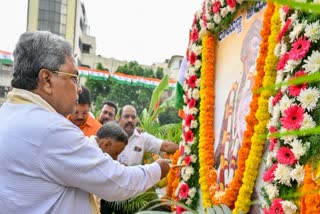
(35, 51)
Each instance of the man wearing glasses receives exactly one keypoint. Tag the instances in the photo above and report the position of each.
(48, 164)
(82, 117)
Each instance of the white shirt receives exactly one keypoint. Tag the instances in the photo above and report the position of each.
(49, 166)
(137, 145)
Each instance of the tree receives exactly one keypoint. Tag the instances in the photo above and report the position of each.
(159, 73)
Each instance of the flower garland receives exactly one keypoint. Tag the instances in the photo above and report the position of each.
(207, 172)
(172, 176)
(294, 108)
(252, 163)
(310, 200)
(231, 193)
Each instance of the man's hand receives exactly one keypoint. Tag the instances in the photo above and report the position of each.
(164, 165)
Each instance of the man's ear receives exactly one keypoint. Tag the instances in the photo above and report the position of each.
(45, 78)
(106, 143)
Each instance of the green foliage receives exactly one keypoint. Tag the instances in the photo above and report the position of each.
(169, 115)
(159, 73)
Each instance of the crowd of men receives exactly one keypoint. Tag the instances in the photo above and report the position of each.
(52, 165)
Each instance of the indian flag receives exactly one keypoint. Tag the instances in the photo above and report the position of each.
(179, 88)
(6, 58)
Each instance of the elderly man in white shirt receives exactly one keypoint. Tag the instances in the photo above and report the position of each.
(47, 164)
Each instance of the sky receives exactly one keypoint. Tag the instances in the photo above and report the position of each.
(146, 31)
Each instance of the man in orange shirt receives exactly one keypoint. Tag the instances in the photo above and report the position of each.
(82, 117)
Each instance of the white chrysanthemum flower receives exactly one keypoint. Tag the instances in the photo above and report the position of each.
(202, 32)
(288, 207)
(297, 148)
(196, 49)
(196, 94)
(222, 2)
(191, 71)
(309, 98)
(282, 16)
(193, 158)
(193, 111)
(291, 65)
(210, 25)
(192, 192)
(271, 190)
(282, 174)
(209, 17)
(189, 92)
(217, 18)
(275, 115)
(312, 63)
(188, 201)
(270, 157)
(307, 122)
(297, 29)
(297, 174)
(224, 12)
(284, 48)
(198, 82)
(187, 149)
(294, 17)
(312, 31)
(285, 103)
(189, 170)
(270, 107)
(277, 49)
(185, 176)
(194, 124)
(197, 64)
(279, 77)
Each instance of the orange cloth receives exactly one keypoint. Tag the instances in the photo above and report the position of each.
(90, 127)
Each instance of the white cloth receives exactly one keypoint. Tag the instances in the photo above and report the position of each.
(137, 145)
(49, 166)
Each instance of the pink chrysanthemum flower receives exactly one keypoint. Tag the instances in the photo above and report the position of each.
(187, 160)
(231, 3)
(294, 90)
(277, 98)
(273, 141)
(216, 7)
(181, 150)
(188, 118)
(282, 62)
(192, 81)
(180, 210)
(188, 136)
(192, 103)
(286, 156)
(184, 190)
(194, 34)
(284, 29)
(276, 207)
(269, 174)
(293, 117)
(300, 48)
(192, 58)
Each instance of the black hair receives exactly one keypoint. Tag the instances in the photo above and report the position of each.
(114, 131)
(112, 104)
(85, 96)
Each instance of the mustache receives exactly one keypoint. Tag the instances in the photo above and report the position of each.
(131, 124)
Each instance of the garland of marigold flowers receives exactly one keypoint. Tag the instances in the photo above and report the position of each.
(310, 200)
(252, 163)
(207, 172)
(172, 176)
(232, 191)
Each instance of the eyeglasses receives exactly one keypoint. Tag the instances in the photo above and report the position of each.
(75, 78)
